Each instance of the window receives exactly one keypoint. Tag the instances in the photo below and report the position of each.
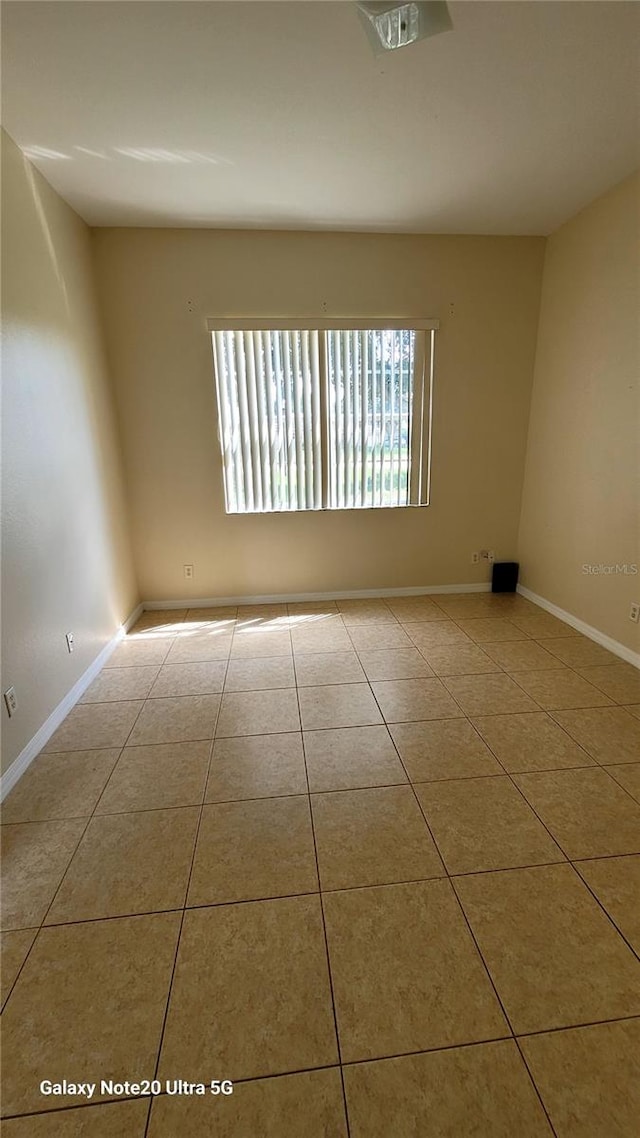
(314, 418)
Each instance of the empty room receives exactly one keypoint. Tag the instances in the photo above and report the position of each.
(320, 707)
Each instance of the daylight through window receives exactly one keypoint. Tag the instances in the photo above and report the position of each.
(324, 418)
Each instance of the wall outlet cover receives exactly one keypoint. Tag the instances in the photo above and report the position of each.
(11, 701)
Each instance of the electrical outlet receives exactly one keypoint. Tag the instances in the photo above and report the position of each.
(69, 640)
(11, 701)
(491, 556)
(634, 612)
(475, 558)
(188, 572)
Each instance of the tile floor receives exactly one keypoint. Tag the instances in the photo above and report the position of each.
(377, 862)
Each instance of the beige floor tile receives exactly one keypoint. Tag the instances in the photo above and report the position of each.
(251, 850)
(158, 620)
(365, 611)
(65, 1014)
(261, 674)
(205, 678)
(258, 713)
(446, 748)
(179, 719)
(619, 681)
(95, 726)
(395, 664)
(467, 606)
(34, 858)
(275, 623)
(60, 786)
(113, 1120)
(489, 695)
(628, 775)
(252, 644)
(561, 689)
(406, 973)
(205, 633)
(327, 635)
(145, 649)
(312, 608)
(554, 956)
(372, 837)
(14, 947)
(588, 814)
(616, 883)
(542, 626)
(345, 758)
(268, 611)
(522, 656)
(531, 741)
(338, 705)
(610, 734)
(510, 603)
(199, 644)
(128, 863)
(404, 701)
(409, 610)
(490, 630)
(579, 651)
(263, 967)
(589, 1078)
(369, 637)
(121, 683)
(217, 614)
(328, 668)
(484, 823)
(465, 1092)
(256, 766)
(157, 777)
(462, 660)
(306, 1105)
(436, 633)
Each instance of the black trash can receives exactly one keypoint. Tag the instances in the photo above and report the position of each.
(504, 577)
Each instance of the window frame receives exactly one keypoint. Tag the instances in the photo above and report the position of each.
(422, 394)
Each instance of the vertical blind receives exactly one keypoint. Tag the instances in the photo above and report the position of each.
(315, 419)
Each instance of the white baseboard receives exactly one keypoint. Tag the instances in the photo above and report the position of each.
(614, 646)
(293, 598)
(51, 724)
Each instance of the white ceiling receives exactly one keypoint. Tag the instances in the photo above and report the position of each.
(279, 115)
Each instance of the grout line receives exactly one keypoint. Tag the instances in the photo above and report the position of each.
(451, 877)
(448, 875)
(41, 925)
(471, 932)
(334, 1066)
(445, 875)
(535, 1086)
(558, 843)
(607, 914)
(324, 929)
(314, 793)
(184, 906)
(110, 917)
(620, 784)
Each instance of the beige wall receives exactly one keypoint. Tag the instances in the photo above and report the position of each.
(66, 563)
(582, 487)
(157, 289)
